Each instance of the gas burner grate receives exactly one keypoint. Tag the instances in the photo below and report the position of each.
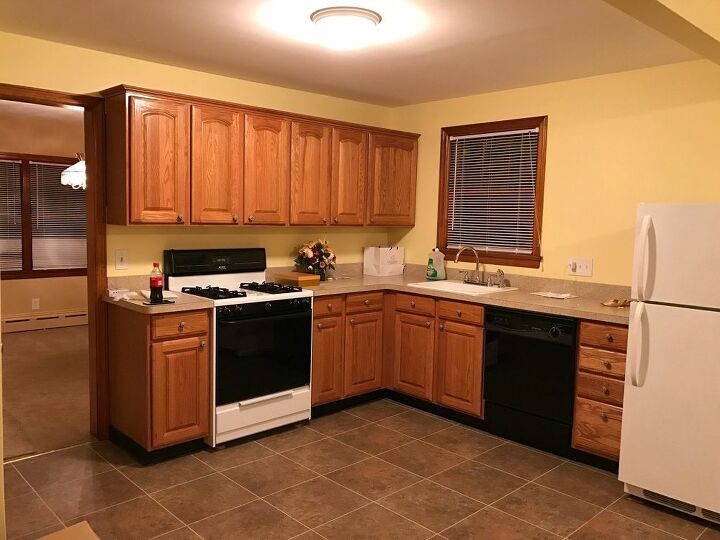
(213, 293)
(270, 287)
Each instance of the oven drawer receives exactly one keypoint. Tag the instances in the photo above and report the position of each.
(607, 336)
(597, 428)
(601, 361)
(179, 324)
(600, 388)
(421, 305)
(328, 305)
(460, 311)
(359, 303)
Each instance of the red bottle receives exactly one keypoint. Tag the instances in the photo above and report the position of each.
(156, 284)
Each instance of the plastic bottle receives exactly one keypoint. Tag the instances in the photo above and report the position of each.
(431, 272)
(436, 265)
(156, 284)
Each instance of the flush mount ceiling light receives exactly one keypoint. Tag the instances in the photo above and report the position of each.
(342, 28)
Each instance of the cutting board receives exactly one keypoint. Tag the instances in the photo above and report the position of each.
(297, 278)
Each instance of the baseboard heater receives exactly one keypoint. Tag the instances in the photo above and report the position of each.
(23, 323)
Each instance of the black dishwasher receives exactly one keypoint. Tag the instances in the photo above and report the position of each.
(529, 377)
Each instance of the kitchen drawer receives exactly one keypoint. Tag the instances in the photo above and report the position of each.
(421, 305)
(607, 336)
(596, 428)
(601, 361)
(328, 305)
(460, 311)
(179, 324)
(600, 388)
(359, 303)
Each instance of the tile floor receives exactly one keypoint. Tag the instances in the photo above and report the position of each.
(379, 470)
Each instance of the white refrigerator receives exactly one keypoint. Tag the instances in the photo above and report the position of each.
(670, 444)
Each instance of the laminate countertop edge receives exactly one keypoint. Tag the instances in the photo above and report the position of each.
(184, 302)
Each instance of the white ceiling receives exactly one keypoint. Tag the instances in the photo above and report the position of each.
(467, 47)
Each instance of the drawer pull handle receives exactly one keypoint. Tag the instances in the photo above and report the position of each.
(366, 302)
(608, 338)
(459, 313)
(427, 324)
(441, 327)
(202, 344)
(181, 326)
(352, 321)
(605, 390)
(604, 416)
(607, 364)
(412, 303)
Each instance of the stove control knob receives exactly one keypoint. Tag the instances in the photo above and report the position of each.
(268, 306)
(237, 308)
(555, 332)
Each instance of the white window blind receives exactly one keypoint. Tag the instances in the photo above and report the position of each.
(10, 216)
(491, 199)
(58, 220)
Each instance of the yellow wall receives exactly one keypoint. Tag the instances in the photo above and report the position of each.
(43, 64)
(27, 132)
(57, 295)
(613, 141)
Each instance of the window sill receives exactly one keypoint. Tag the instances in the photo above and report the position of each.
(504, 259)
(36, 274)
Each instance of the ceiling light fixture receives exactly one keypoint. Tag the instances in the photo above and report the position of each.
(75, 175)
(345, 28)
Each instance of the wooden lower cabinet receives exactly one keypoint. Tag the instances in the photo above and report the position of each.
(363, 352)
(159, 376)
(179, 375)
(459, 366)
(596, 428)
(414, 354)
(327, 363)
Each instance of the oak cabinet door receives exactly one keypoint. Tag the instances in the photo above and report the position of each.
(393, 173)
(414, 354)
(458, 382)
(363, 352)
(217, 165)
(267, 169)
(310, 174)
(349, 176)
(180, 390)
(159, 163)
(327, 362)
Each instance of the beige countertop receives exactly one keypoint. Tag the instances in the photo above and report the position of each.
(183, 302)
(585, 306)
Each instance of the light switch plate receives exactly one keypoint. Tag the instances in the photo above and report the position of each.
(121, 259)
(580, 267)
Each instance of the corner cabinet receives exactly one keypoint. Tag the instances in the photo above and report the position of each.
(392, 179)
(184, 160)
(159, 373)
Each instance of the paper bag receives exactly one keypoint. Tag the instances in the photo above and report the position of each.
(384, 261)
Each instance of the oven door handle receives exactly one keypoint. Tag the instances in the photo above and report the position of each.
(269, 316)
(269, 397)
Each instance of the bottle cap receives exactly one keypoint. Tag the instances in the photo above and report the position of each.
(156, 264)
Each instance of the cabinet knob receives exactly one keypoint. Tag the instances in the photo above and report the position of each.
(329, 307)
(427, 324)
(412, 303)
(352, 321)
(181, 326)
(366, 302)
(459, 313)
(608, 338)
(336, 220)
(441, 327)
(235, 219)
(607, 364)
(325, 221)
(180, 218)
(372, 220)
(604, 416)
(605, 390)
(319, 325)
(251, 218)
(202, 344)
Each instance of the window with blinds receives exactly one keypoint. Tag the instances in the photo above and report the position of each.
(10, 216)
(491, 190)
(58, 220)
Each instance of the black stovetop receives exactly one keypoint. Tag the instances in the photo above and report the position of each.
(270, 287)
(213, 293)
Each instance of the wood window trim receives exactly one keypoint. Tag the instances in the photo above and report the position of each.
(27, 271)
(531, 260)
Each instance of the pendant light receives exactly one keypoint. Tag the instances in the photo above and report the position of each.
(75, 175)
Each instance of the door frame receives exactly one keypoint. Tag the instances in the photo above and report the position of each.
(94, 134)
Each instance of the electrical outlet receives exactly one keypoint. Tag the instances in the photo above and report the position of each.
(121, 259)
(35, 304)
(580, 267)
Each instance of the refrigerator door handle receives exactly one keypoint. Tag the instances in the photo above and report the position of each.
(636, 360)
(641, 246)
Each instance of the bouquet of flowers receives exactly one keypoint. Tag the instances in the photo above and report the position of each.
(315, 258)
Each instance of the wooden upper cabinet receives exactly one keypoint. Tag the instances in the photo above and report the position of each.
(459, 368)
(414, 354)
(217, 165)
(159, 163)
(392, 178)
(349, 176)
(310, 174)
(363, 352)
(267, 169)
(180, 389)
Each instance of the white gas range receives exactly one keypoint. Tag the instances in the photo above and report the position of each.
(262, 339)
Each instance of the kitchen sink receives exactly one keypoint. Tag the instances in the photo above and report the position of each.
(460, 287)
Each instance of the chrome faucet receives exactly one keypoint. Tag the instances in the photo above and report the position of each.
(476, 279)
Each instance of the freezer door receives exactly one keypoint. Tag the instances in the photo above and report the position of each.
(670, 441)
(677, 254)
